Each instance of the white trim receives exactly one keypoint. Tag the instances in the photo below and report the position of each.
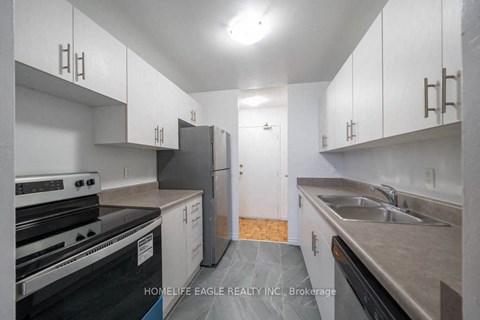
(235, 236)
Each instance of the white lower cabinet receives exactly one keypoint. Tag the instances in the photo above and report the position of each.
(182, 246)
(315, 240)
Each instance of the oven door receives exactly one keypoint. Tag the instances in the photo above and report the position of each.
(108, 281)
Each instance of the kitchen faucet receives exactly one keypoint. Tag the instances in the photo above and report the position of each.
(391, 195)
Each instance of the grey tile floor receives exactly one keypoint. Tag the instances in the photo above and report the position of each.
(249, 264)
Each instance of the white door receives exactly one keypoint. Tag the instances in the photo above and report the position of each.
(452, 58)
(142, 102)
(100, 59)
(259, 158)
(343, 104)
(44, 36)
(412, 51)
(368, 85)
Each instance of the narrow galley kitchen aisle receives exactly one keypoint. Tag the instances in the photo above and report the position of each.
(274, 268)
(262, 120)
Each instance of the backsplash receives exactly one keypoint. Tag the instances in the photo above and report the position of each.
(403, 166)
(53, 135)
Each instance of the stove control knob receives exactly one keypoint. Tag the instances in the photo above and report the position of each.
(90, 182)
(79, 183)
(91, 233)
(80, 237)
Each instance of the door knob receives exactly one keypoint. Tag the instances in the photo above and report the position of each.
(241, 172)
(241, 166)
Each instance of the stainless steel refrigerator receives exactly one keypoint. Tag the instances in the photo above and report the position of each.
(203, 162)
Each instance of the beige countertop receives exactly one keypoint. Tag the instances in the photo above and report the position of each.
(159, 198)
(408, 260)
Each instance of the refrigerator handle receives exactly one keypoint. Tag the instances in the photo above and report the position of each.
(213, 156)
(213, 187)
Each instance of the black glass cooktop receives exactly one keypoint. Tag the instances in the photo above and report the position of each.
(37, 252)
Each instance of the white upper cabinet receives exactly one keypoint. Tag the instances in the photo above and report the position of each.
(327, 119)
(44, 36)
(168, 113)
(100, 60)
(412, 52)
(190, 109)
(142, 105)
(452, 60)
(367, 85)
(343, 105)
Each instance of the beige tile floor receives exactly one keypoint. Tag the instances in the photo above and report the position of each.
(261, 229)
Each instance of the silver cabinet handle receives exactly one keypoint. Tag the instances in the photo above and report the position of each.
(81, 58)
(444, 90)
(425, 93)
(324, 139)
(196, 248)
(196, 219)
(194, 116)
(162, 132)
(314, 244)
(351, 130)
(185, 215)
(348, 135)
(68, 67)
(156, 134)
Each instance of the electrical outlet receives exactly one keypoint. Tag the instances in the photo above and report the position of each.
(430, 178)
(126, 172)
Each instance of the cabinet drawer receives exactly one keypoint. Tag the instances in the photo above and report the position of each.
(195, 226)
(194, 254)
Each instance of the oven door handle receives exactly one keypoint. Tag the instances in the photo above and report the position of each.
(83, 259)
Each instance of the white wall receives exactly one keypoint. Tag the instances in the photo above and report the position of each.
(220, 108)
(471, 156)
(402, 166)
(56, 136)
(275, 112)
(7, 123)
(304, 159)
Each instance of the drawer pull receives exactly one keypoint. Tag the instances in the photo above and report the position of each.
(196, 248)
(196, 219)
(196, 204)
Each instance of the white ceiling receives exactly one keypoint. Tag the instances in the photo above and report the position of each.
(308, 40)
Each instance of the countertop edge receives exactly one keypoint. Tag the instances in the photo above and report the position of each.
(183, 199)
(412, 308)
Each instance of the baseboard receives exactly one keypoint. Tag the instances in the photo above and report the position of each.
(294, 241)
(235, 236)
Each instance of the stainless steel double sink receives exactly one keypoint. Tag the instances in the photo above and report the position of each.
(359, 208)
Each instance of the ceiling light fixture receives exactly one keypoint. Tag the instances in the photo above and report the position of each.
(247, 29)
(254, 101)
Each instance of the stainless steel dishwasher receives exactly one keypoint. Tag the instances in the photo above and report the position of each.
(359, 295)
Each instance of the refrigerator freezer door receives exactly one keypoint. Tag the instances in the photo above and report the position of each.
(222, 212)
(220, 158)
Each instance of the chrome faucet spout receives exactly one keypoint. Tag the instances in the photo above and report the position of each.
(391, 195)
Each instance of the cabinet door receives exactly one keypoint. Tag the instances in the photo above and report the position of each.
(43, 30)
(174, 258)
(195, 223)
(412, 51)
(168, 113)
(100, 59)
(326, 278)
(452, 58)
(142, 104)
(343, 104)
(190, 109)
(368, 85)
